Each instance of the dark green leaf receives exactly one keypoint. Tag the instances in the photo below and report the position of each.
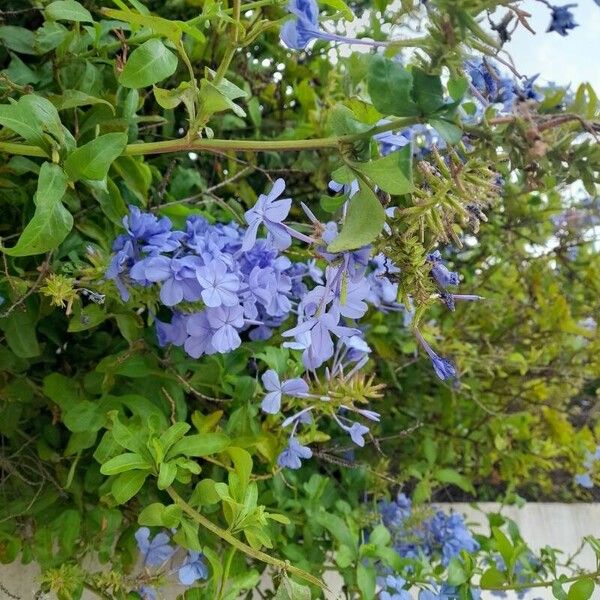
(148, 64)
(392, 173)
(68, 10)
(390, 87)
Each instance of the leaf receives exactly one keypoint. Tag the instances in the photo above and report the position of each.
(129, 461)
(148, 64)
(449, 131)
(390, 86)
(582, 589)
(166, 475)
(74, 98)
(51, 221)
(365, 579)
(32, 117)
(127, 485)
(68, 10)
(202, 444)
(392, 173)
(503, 545)
(456, 572)
(92, 160)
(337, 527)
(214, 99)
(20, 331)
(364, 221)
(19, 39)
(290, 590)
(341, 6)
(427, 91)
(492, 578)
(454, 477)
(159, 515)
(84, 416)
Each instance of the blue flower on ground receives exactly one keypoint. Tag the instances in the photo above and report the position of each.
(562, 19)
(293, 453)
(155, 551)
(192, 569)
(270, 212)
(219, 286)
(276, 389)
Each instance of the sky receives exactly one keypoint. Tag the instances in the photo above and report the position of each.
(572, 59)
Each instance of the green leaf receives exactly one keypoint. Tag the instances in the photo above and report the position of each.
(290, 590)
(214, 99)
(166, 475)
(84, 416)
(202, 444)
(455, 478)
(92, 160)
(129, 461)
(341, 6)
(380, 536)
(51, 221)
(492, 578)
(74, 98)
(148, 64)
(390, 87)
(364, 221)
(127, 485)
(337, 527)
(582, 589)
(331, 203)
(32, 117)
(457, 87)
(173, 434)
(449, 131)
(503, 545)
(365, 579)
(456, 572)
(68, 10)
(427, 91)
(393, 173)
(159, 515)
(20, 331)
(19, 39)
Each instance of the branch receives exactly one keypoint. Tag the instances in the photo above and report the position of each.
(231, 539)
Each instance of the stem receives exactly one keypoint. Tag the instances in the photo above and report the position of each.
(225, 575)
(525, 586)
(230, 52)
(185, 145)
(238, 544)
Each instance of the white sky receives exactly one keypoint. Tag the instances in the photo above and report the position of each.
(573, 59)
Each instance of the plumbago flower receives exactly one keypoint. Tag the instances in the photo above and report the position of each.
(222, 282)
(299, 31)
(562, 19)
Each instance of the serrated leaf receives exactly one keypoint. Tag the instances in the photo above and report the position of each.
(148, 64)
(364, 221)
(92, 160)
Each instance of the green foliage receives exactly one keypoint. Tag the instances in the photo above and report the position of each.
(185, 108)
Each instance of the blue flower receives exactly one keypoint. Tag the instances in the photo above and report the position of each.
(192, 569)
(153, 235)
(270, 212)
(178, 277)
(147, 592)
(396, 585)
(584, 480)
(443, 368)
(562, 19)
(225, 321)
(293, 453)
(219, 286)
(172, 333)
(200, 335)
(355, 430)
(443, 276)
(276, 389)
(155, 551)
(298, 32)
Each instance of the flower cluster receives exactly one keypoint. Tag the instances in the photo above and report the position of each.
(438, 536)
(562, 19)
(157, 551)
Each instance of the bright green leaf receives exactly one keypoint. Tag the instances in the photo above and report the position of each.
(148, 64)
(92, 160)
